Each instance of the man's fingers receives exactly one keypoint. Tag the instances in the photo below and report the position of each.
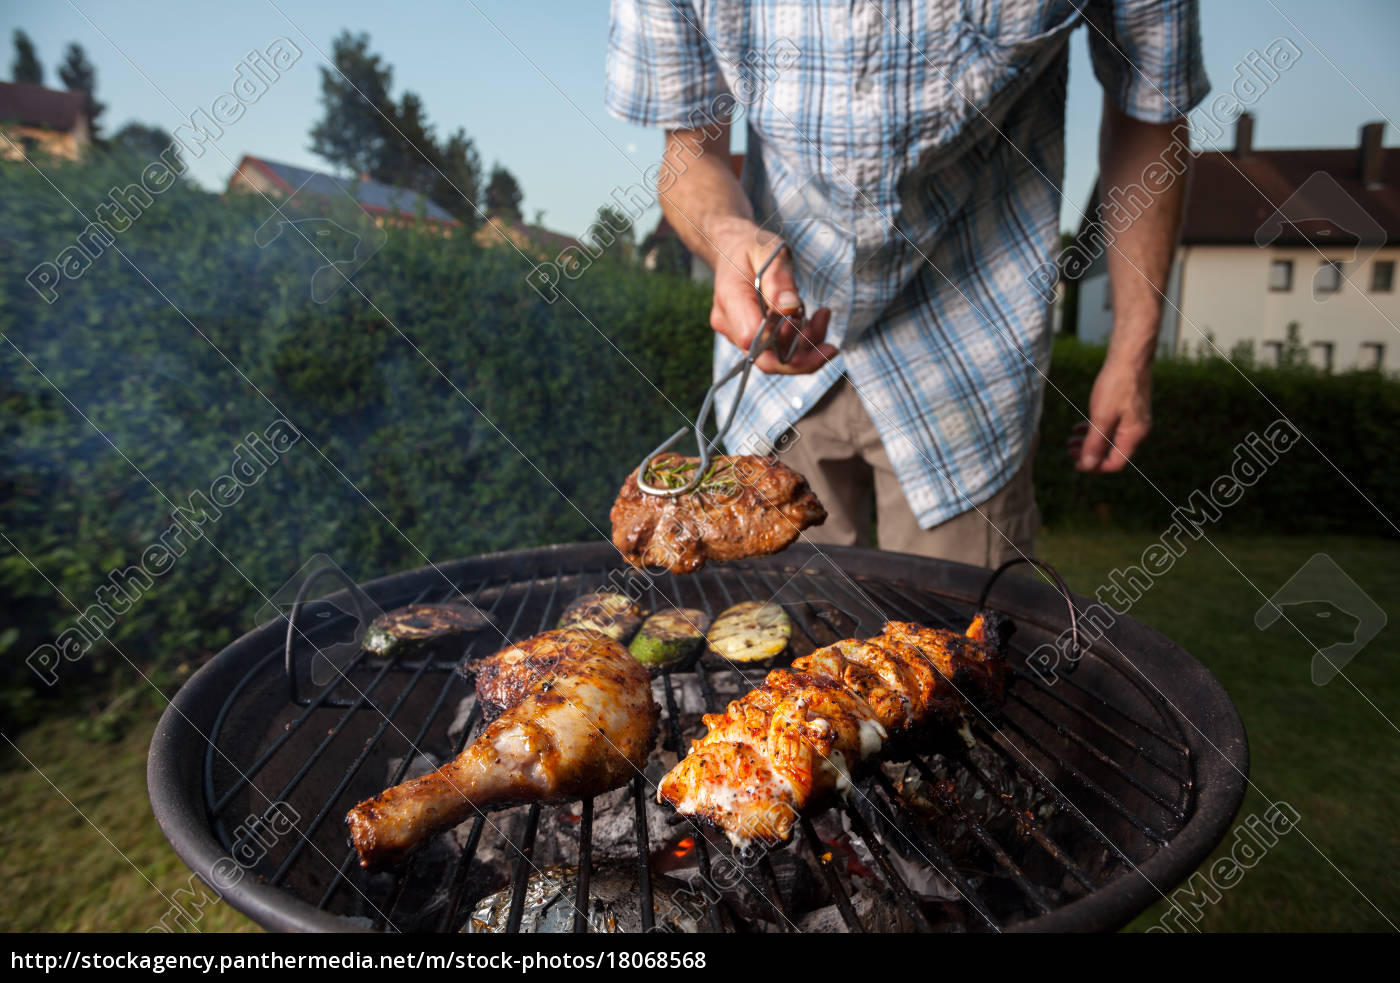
(807, 360)
(810, 353)
(1095, 447)
(1125, 442)
(779, 285)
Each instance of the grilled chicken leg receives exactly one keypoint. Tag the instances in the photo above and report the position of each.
(576, 719)
(794, 741)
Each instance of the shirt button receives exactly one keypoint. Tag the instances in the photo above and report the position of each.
(864, 86)
(796, 402)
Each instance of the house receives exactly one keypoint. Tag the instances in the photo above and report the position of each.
(533, 239)
(1273, 243)
(51, 121)
(384, 203)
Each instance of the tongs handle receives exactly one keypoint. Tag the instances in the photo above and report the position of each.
(765, 339)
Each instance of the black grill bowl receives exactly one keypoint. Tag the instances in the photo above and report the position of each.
(1142, 747)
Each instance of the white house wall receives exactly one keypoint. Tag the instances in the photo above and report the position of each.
(1226, 294)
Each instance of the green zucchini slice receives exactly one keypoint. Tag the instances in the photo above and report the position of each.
(406, 630)
(668, 638)
(750, 633)
(615, 615)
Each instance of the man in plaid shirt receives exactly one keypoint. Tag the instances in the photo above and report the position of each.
(911, 155)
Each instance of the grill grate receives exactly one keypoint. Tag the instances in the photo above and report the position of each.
(1110, 758)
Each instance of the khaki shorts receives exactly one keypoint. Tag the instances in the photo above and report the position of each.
(839, 451)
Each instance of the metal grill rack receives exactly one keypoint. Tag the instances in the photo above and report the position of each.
(1137, 749)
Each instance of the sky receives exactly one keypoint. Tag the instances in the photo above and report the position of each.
(525, 79)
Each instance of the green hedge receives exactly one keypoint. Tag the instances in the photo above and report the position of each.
(392, 433)
(1202, 410)
(387, 418)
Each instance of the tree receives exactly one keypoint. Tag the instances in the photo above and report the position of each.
(147, 142)
(364, 130)
(409, 158)
(503, 195)
(612, 225)
(355, 97)
(79, 75)
(458, 186)
(26, 67)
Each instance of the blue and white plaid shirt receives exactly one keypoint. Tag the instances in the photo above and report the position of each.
(912, 156)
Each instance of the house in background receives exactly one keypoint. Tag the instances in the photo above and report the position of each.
(39, 120)
(1273, 238)
(534, 240)
(384, 203)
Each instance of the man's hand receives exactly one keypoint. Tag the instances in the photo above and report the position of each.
(701, 198)
(1120, 417)
(741, 248)
(1141, 244)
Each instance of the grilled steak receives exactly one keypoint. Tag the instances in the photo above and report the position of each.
(744, 506)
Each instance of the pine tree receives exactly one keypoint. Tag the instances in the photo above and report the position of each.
(364, 130)
(79, 75)
(26, 67)
(503, 195)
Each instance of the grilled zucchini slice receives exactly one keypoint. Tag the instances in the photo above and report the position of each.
(669, 638)
(615, 615)
(406, 630)
(750, 633)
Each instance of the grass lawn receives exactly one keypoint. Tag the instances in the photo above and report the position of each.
(1323, 749)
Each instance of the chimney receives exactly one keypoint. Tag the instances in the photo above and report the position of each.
(1244, 135)
(1371, 155)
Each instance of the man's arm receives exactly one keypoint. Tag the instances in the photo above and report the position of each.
(703, 202)
(1139, 263)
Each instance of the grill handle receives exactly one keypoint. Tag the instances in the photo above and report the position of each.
(365, 612)
(1076, 649)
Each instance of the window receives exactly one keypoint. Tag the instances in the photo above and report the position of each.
(1281, 275)
(1372, 356)
(1382, 276)
(1273, 353)
(1320, 355)
(1329, 277)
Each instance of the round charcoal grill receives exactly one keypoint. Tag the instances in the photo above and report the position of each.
(1084, 798)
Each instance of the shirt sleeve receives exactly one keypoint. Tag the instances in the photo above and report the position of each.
(660, 69)
(1147, 56)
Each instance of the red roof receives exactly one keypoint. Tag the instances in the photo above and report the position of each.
(1231, 197)
(34, 105)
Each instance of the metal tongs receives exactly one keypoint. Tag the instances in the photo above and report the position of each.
(769, 329)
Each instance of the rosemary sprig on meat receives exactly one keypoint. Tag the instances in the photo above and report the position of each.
(719, 478)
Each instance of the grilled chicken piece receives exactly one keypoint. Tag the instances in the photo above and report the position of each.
(792, 743)
(745, 506)
(576, 719)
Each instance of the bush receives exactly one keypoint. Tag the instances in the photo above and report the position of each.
(1202, 410)
(453, 412)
